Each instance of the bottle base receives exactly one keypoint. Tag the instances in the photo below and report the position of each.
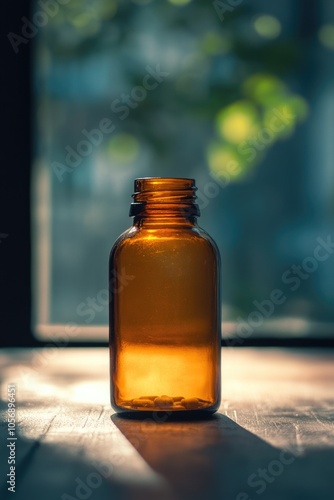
(161, 416)
(161, 408)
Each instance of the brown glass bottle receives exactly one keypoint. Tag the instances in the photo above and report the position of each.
(164, 305)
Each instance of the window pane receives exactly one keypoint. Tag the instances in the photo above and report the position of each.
(240, 99)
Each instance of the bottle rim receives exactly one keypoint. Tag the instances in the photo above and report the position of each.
(164, 194)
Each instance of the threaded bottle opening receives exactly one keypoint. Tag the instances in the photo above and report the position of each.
(164, 195)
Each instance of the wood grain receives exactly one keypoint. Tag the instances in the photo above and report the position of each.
(273, 437)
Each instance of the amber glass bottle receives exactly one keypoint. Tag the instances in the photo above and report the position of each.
(164, 305)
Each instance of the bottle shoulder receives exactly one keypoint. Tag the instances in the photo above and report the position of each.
(139, 238)
(209, 239)
(122, 240)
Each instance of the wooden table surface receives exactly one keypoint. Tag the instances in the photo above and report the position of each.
(273, 437)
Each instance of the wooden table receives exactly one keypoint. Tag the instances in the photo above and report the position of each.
(273, 437)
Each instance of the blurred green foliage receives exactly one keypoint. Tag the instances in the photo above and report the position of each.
(231, 76)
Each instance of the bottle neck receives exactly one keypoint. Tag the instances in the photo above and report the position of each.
(160, 200)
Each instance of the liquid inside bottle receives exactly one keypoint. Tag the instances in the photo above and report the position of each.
(164, 305)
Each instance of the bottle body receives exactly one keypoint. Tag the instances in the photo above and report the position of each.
(164, 318)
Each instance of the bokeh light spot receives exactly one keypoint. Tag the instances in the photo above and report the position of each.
(238, 122)
(225, 162)
(123, 148)
(267, 26)
(299, 106)
(326, 36)
(214, 43)
(83, 19)
(264, 88)
(280, 120)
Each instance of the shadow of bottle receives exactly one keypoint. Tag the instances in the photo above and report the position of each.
(204, 459)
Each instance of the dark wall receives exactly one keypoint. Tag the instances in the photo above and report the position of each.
(15, 126)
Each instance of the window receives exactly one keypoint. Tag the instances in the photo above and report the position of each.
(240, 99)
